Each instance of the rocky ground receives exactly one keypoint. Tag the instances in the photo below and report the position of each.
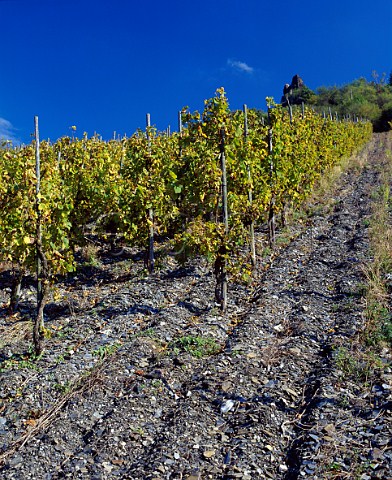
(144, 378)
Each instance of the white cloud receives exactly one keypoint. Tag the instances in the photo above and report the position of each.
(7, 131)
(240, 66)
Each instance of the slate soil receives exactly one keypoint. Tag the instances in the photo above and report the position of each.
(144, 378)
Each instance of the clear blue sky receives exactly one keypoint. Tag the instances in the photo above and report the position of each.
(103, 64)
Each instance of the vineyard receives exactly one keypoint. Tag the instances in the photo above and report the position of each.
(200, 191)
(208, 304)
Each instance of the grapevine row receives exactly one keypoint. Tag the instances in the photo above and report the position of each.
(172, 183)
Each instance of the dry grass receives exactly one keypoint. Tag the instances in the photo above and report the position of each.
(16, 329)
(378, 329)
(328, 182)
(90, 253)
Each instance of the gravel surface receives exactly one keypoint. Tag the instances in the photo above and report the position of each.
(144, 378)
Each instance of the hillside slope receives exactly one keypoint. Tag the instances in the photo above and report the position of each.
(143, 377)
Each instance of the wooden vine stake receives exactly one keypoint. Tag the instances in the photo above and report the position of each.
(180, 122)
(41, 262)
(150, 253)
(220, 262)
(284, 206)
(271, 215)
(290, 111)
(250, 193)
(180, 128)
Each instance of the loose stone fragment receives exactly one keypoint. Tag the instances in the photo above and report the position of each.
(226, 406)
(208, 453)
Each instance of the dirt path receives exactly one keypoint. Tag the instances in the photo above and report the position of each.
(275, 394)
